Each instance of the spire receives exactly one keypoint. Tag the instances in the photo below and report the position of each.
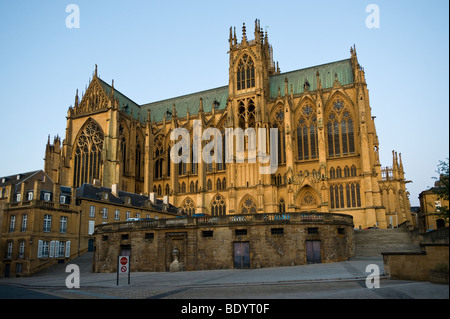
(112, 88)
(257, 31)
(394, 160)
(244, 35)
(174, 111)
(76, 99)
(401, 163)
(200, 107)
(95, 74)
(285, 87)
(319, 83)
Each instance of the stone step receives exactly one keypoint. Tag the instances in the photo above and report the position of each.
(372, 242)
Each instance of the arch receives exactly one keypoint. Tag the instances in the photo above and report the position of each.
(218, 205)
(245, 72)
(188, 207)
(218, 184)
(88, 147)
(340, 128)
(209, 185)
(307, 198)
(281, 206)
(247, 205)
(167, 192)
(277, 121)
(139, 155)
(307, 132)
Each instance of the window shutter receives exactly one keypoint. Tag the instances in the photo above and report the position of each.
(39, 254)
(68, 248)
(56, 248)
(91, 227)
(52, 249)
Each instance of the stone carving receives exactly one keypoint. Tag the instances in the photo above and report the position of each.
(175, 266)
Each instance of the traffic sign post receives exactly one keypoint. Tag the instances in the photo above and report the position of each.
(123, 267)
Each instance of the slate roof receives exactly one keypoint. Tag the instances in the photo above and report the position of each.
(89, 191)
(16, 178)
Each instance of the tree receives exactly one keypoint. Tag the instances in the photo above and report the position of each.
(442, 188)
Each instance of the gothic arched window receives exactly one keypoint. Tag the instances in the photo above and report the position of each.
(340, 134)
(123, 148)
(139, 159)
(188, 207)
(248, 206)
(209, 185)
(282, 206)
(307, 137)
(278, 123)
(88, 151)
(218, 206)
(245, 73)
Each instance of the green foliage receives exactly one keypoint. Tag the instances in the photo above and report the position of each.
(442, 188)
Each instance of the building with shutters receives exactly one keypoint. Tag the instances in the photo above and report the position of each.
(326, 144)
(43, 223)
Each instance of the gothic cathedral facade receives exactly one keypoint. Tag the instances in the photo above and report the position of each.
(327, 145)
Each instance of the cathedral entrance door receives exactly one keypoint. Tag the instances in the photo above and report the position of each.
(241, 255)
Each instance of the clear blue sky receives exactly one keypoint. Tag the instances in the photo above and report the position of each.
(160, 49)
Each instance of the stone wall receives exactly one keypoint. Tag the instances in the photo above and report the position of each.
(209, 242)
(416, 266)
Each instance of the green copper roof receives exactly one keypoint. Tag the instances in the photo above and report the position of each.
(218, 96)
(190, 101)
(343, 70)
(124, 102)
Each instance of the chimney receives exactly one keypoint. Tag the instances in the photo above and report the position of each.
(153, 198)
(165, 202)
(96, 183)
(115, 190)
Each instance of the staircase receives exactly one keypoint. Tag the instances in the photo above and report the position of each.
(84, 262)
(372, 242)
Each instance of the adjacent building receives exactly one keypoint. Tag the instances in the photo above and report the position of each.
(430, 206)
(43, 223)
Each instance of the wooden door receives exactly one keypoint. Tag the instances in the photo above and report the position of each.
(241, 255)
(313, 255)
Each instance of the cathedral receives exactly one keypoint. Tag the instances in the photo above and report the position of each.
(326, 142)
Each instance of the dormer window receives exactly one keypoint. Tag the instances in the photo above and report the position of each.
(47, 197)
(245, 74)
(30, 196)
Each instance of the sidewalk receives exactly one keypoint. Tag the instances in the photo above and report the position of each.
(329, 280)
(55, 277)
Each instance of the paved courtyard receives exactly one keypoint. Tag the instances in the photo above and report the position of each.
(325, 281)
